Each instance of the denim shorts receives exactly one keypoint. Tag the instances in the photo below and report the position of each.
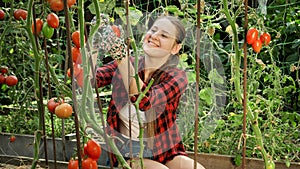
(124, 148)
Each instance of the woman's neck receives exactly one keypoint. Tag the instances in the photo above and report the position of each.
(154, 63)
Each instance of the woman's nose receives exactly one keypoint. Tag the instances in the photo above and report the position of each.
(155, 35)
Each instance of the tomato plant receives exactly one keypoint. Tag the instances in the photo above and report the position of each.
(257, 45)
(76, 69)
(12, 139)
(20, 14)
(93, 149)
(252, 35)
(53, 20)
(2, 14)
(89, 163)
(11, 80)
(73, 164)
(47, 31)
(116, 30)
(76, 55)
(265, 38)
(56, 5)
(53, 103)
(63, 110)
(39, 25)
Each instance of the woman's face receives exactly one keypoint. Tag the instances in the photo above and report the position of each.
(160, 40)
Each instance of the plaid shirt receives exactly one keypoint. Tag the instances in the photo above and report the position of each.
(164, 97)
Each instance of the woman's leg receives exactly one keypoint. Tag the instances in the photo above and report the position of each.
(182, 162)
(148, 164)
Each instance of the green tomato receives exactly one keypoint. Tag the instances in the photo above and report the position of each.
(270, 164)
(47, 30)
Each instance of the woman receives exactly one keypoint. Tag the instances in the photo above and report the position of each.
(157, 109)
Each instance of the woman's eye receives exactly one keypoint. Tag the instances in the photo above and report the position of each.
(164, 36)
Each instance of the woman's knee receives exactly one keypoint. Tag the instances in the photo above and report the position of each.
(182, 162)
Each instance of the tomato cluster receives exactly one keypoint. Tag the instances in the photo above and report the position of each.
(91, 153)
(10, 80)
(77, 59)
(257, 41)
(58, 107)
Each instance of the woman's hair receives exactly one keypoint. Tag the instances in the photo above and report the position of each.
(181, 33)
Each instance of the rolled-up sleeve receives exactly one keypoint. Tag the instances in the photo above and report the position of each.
(172, 86)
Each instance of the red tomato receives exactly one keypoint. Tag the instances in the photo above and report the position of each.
(93, 149)
(76, 68)
(76, 55)
(73, 164)
(52, 20)
(116, 30)
(56, 5)
(2, 14)
(53, 103)
(20, 14)
(3, 69)
(2, 79)
(11, 80)
(257, 45)
(252, 35)
(89, 163)
(265, 38)
(63, 110)
(79, 78)
(12, 139)
(71, 3)
(39, 26)
(76, 38)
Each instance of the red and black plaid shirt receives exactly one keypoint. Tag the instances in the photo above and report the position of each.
(164, 97)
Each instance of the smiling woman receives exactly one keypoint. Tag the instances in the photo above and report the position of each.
(157, 109)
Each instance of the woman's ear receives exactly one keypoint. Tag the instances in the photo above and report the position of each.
(176, 48)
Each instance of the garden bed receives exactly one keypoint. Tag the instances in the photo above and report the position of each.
(20, 153)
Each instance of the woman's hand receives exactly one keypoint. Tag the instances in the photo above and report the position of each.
(109, 39)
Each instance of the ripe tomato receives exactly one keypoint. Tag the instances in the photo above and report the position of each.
(116, 30)
(256, 45)
(20, 14)
(89, 163)
(2, 79)
(47, 31)
(73, 164)
(53, 20)
(53, 103)
(63, 110)
(93, 149)
(265, 38)
(39, 25)
(76, 38)
(252, 35)
(71, 3)
(79, 78)
(76, 69)
(56, 5)
(11, 80)
(2, 14)
(76, 55)
(12, 139)
(3, 69)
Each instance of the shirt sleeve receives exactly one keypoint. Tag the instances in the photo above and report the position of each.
(105, 73)
(173, 85)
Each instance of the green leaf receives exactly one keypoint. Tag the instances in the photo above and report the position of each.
(172, 8)
(134, 15)
(215, 77)
(206, 95)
